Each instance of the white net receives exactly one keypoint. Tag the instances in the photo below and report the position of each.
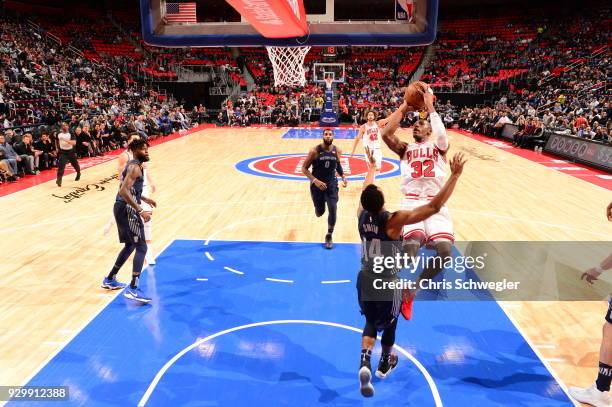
(288, 65)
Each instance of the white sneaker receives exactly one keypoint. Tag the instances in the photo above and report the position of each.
(150, 259)
(591, 395)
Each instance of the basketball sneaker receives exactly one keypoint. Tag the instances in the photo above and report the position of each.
(112, 284)
(387, 363)
(136, 295)
(591, 395)
(328, 241)
(407, 302)
(365, 376)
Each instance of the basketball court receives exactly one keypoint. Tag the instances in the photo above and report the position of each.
(249, 308)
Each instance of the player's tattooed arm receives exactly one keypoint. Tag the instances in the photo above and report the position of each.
(132, 174)
(388, 132)
(405, 217)
(312, 155)
(339, 168)
(359, 136)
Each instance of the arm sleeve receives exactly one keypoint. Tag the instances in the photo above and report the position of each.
(339, 169)
(439, 131)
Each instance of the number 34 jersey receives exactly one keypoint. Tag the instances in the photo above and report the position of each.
(423, 169)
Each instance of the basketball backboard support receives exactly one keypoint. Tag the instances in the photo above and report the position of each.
(326, 28)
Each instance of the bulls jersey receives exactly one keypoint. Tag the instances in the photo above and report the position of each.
(371, 136)
(423, 169)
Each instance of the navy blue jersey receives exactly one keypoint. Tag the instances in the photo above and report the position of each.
(136, 190)
(325, 164)
(376, 243)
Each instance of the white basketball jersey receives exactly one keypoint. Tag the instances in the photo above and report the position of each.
(371, 136)
(423, 169)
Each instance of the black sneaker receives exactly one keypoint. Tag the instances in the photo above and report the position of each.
(78, 176)
(388, 362)
(328, 241)
(365, 379)
(58, 182)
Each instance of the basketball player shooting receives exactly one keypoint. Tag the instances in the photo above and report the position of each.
(423, 170)
(129, 217)
(381, 232)
(325, 162)
(369, 133)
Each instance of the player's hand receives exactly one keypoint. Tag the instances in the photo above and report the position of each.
(146, 216)
(405, 108)
(344, 181)
(590, 275)
(609, 212)
(457, 163)
(429, 99)
(320, 184)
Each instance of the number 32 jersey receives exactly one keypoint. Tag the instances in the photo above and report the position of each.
(423, 169)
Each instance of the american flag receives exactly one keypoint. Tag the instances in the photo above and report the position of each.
(181, 13)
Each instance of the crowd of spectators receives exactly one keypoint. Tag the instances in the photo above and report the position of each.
(43, 85)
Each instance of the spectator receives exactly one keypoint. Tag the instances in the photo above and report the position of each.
(48, 152)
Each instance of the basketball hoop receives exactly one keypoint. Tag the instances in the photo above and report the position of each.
(329, 82)
(288, 65)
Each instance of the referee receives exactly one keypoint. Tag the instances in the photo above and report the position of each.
(66, 154)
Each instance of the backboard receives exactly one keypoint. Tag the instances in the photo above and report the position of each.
(323, 70)
(330, 22)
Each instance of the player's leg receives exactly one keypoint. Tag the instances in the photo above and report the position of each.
(121, 219)
(368, 339)
(75, 165)
(148, 233)
(137, 233)
(598, 394)
(377, 159)
(331, 199)
(388, 313)
(413, 237)
(318, 199)
(61, 167)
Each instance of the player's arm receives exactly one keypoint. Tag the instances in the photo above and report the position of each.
(339, 168)
(609, 212)
(312, 155)
(388, 133)
(369, 179)
(382, 122)
(359, 136)
(437, 125)
(593, 273)
(405, 217)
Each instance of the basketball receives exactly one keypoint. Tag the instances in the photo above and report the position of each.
(414, 94)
